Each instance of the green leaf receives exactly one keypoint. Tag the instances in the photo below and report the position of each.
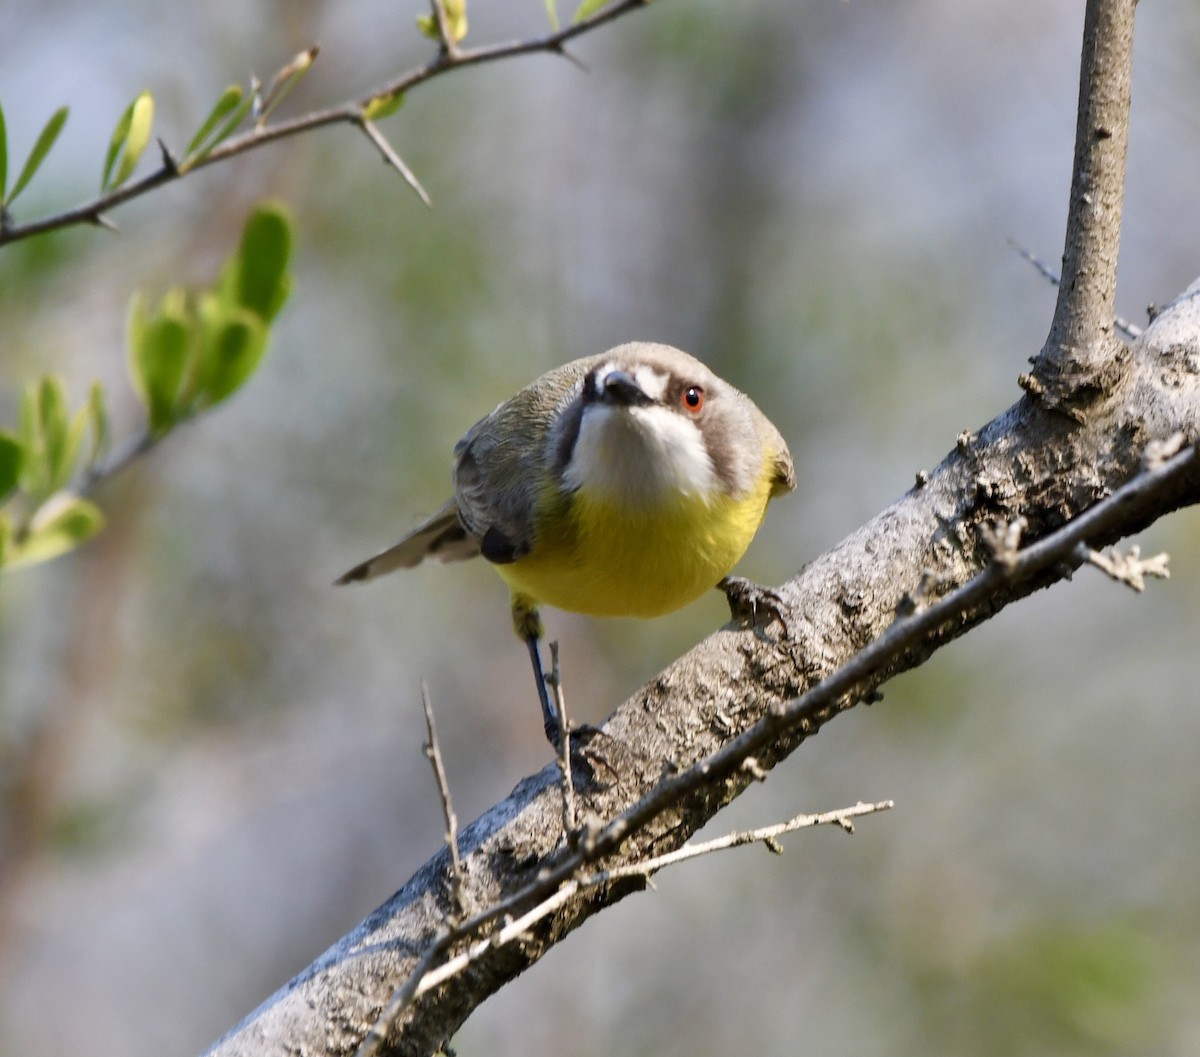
(552, 13)
(228, 101)
(285, 80)
(456, 21)
(231, 355)
(587, 9)
(41, 148)
(55, 442)
(381, 106)
(3, 157)
(60, 524)
(235, 119)
(129, 140)
(75, 434)
(120, 134)
(12, 453)
(159, 348)
(98, 416)
(256, 277)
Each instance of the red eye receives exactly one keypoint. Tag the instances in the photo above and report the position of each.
(693, 398)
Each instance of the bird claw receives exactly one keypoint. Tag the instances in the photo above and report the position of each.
(747, 600)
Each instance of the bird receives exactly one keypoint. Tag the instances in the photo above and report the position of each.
(626, 483)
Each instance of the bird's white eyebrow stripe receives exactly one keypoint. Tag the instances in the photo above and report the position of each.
(653, 383)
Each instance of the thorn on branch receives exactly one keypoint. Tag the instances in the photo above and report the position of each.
(1130, 568)
(561, 49)
(393, 159)
(101, 221)
(168, 159)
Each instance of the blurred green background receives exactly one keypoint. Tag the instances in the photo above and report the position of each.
(813, 197)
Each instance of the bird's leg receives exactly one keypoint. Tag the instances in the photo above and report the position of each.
(549, 716)
(527, 623)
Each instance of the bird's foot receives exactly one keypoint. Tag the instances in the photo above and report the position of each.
(585, 753)
(751, 602)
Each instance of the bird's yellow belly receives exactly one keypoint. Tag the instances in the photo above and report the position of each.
(610, 560)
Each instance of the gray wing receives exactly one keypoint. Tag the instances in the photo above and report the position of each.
(510, 456)
(497, 469)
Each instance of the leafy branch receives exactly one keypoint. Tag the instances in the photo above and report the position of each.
(191, 351)
(215, 140)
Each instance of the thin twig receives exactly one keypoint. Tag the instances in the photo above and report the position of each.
(133, 449)
(554, 680)
(766, 835)
(350, 112)
(449, 45)
(517, 927)
(1129, 568)
(393, 159)
(434, 752)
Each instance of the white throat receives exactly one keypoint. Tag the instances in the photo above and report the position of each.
(642, 456)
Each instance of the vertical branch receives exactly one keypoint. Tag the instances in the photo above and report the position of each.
(1079, 359)
(564, 745)
(434, 752)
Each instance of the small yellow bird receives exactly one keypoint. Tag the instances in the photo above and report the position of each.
(623, 484)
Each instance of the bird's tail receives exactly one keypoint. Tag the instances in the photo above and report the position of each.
(441, 537)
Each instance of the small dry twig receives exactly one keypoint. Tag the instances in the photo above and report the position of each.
(768, 835)
(554, 679)
(434, 753)
(1130, 568)
(515, 928)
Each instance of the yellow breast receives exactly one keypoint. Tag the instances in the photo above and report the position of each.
(605, 559)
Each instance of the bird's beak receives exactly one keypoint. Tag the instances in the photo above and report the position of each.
(620, 389)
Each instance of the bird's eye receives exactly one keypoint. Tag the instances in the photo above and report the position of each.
(693, 398)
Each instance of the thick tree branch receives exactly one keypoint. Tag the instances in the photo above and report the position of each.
(937, 538)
